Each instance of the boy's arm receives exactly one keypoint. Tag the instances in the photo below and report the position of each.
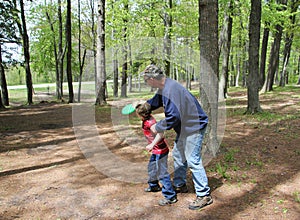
(157, 139)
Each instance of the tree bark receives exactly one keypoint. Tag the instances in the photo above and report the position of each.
(26, 55)
(253, 77)
(274, 55)
(288, 45)
(209, 68)
(69, 52)
(3, 90)
(168, 23)
(125, 55)
(226, 44)
(60, 57)
(101, 73)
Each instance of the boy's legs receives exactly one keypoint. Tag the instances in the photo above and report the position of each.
(152, 174)
(164, 176)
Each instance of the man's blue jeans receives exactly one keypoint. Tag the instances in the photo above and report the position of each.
(187, 153)
(158, 170)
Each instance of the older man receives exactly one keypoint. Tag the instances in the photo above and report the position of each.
(184, 114)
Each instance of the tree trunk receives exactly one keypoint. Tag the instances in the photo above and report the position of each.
(253, 77)
(55, 55)
(288, 45)
(263, 56)
(298, 83)
(3, 84)
(209, 68)
(125, 56)
(167, 36)
(26, 55)
(69, 52)
(226, 39)
(80, 60)
(274, 55)
(101, 73)
(116, 75)
(60, 78)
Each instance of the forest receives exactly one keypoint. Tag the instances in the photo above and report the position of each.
(74, 41)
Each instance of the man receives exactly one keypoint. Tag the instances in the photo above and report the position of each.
(184, 114)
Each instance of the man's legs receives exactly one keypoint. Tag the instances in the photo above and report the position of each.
(193, 155)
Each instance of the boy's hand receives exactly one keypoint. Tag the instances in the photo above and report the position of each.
(149, 147)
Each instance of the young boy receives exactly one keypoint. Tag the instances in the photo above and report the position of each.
(158, 163)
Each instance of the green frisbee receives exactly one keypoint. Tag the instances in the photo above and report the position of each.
(128, 109)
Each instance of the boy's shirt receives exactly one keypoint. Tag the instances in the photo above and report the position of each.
(162, 146)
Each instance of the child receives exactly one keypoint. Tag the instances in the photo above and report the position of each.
(158, 163)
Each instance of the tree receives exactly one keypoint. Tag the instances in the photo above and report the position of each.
(288, 43)
(101, 73)
(69, 52)
(253, 77)
(274, 54)
(209, 67)
(80, 60)
(125, 51)
(25, 38)
(264, 49)
(7, 35)
(168, 23)
(224, 46)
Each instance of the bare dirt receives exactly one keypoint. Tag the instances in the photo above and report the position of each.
(44, 173)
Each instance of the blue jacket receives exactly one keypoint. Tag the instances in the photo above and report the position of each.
(182, 110)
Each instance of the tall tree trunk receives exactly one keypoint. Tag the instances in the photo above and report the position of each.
(94, 40)
(60, 58)
(55, 54)
(3, 84)
(274, 55)
(209, 67)
(101, 73)
(298, 83)
(288, 45)
(263, 56)
(80, 60)
(168, 23)
(125, 55)
(253, 77)
(69, 52)
(226, 39)
(115, 63)
(26, 55)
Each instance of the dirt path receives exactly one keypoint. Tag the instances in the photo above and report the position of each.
(48, 172)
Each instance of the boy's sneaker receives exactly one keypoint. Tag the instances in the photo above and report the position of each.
(201, 202)
(153, 189)
(181, 189)
(165, 201)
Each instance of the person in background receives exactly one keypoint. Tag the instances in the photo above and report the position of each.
(184, 114)
(158, 163)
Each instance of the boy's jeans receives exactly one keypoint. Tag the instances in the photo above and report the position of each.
(187, 153)
(158, 170)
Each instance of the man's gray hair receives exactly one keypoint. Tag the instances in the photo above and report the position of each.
(153, 71)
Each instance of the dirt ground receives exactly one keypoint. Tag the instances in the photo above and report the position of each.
(51, 168)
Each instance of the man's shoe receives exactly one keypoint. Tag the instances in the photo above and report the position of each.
(165, 201)
(181, 189)
(201, 202)
(153, 189)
